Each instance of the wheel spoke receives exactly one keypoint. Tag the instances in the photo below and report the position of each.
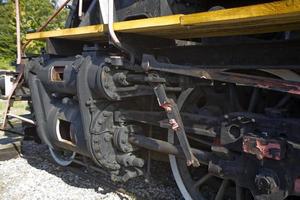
(202, 180)
(238, 192)
(199, 140)
(253, 100)
(221, 190)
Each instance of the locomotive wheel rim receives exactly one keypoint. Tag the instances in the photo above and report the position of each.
(183, 177)
(61, 159)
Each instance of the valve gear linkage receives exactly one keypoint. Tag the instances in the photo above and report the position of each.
(175, 122)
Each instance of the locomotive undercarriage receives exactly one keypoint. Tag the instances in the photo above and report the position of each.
(242, 132)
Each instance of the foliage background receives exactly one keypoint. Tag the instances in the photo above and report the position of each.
(33, 14)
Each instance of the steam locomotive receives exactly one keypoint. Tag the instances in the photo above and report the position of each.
(223, 110)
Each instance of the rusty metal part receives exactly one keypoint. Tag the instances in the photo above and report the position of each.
(260, 82)
(292, 87)
(9, 102)
(297, 185)
(19, 79)
(176, 123)
(264, 148)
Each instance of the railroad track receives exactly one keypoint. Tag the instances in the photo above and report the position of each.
(94, 174)
(85, 169)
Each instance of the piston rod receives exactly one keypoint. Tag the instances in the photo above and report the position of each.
(167, 148)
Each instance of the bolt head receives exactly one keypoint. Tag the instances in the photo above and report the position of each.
(107, 137)
(106, 69)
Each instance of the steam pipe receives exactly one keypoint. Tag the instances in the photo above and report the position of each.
(111, 31)
(80, 8)
(114, 37)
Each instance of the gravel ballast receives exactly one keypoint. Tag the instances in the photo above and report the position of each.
(35, 176)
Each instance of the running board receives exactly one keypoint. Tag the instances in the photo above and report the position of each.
(276, 16)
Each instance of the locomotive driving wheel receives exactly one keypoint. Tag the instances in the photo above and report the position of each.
(199, 183)
(62, 157)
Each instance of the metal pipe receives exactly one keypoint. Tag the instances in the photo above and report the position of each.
(114, 37)
(21, 118)
(154, 144)
(18, 29)
(80, 8)
(167, 148)
(110, 23)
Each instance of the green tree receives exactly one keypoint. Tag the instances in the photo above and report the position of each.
(7, 31)
(33, 14)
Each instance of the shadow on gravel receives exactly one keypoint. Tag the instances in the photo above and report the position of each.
(162, 187)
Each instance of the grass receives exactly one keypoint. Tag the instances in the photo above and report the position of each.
(5, 64)
(18, 108)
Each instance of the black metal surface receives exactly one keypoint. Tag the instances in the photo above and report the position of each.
(236, 53)
(55, 46)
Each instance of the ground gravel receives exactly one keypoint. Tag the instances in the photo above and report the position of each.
(35, 176)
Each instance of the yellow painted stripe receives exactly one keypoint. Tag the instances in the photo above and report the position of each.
(136, 26)
(266, 11)
(152, 24)
(71, 32)
(269, 17)
(263, 18)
